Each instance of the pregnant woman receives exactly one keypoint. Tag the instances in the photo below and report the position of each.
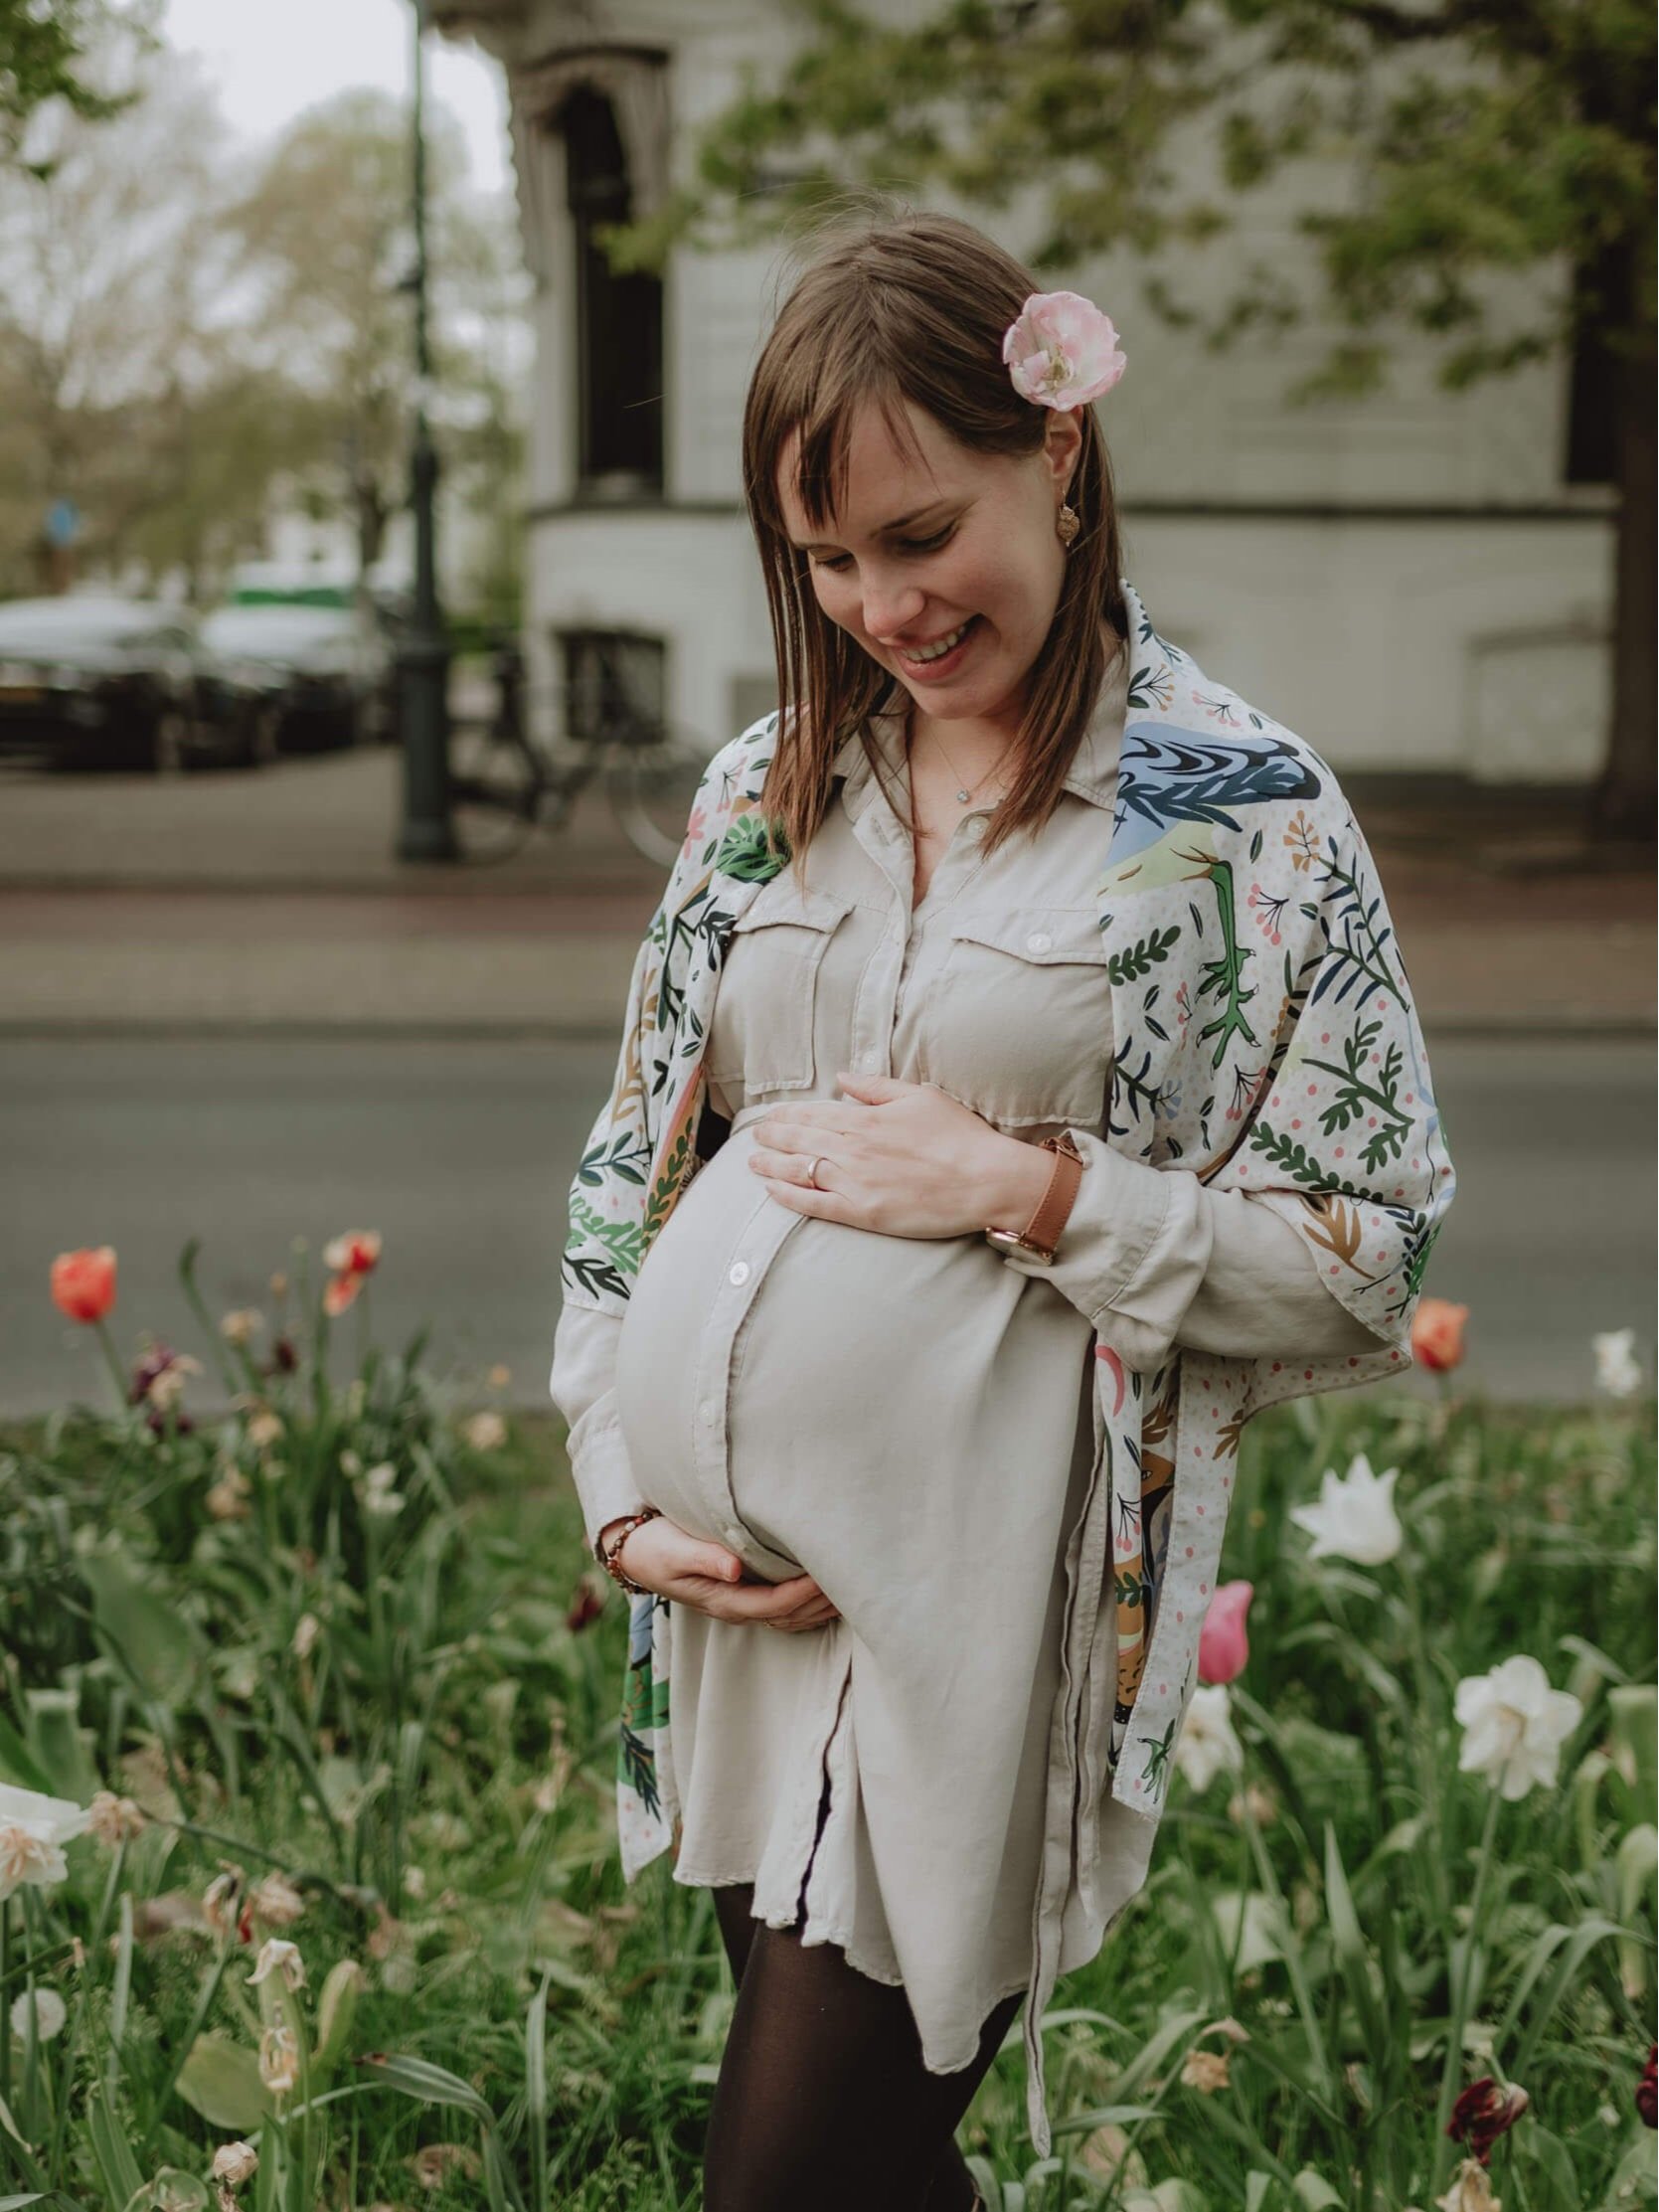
(1020, 1086)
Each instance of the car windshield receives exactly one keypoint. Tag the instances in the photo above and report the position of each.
(62, 625)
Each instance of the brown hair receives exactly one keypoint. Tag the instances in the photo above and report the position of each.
(910, 305)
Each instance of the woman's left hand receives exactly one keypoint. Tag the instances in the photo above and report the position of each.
(905, 1159)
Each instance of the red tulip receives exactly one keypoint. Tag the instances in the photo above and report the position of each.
(1485, 2111)
(84, 1282)
(586, 1607)
(1223, 1647)
(1437, 1333)
(339, 1292)
(355, 1253)
(1647, 2090)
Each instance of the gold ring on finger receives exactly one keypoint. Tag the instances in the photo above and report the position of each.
(813, 1166)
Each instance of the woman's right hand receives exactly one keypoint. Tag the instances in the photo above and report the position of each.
(664, 1557)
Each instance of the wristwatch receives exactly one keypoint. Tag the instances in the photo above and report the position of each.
(1040, 1236)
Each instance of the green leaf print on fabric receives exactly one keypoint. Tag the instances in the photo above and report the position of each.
(1128, 967)
(753, 849)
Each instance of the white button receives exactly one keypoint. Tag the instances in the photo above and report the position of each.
(709, 1410)
(1038, 942)
(737, 1271)
(870, 1062)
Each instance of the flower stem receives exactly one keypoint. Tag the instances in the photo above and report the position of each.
(1442, 2148)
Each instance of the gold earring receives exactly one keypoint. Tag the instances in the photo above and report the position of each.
(1067, 526)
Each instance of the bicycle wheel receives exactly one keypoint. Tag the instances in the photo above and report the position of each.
(493, 785)
(652, 786)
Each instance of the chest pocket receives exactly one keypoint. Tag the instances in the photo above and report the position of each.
(1019, 1020)
(761, 1033)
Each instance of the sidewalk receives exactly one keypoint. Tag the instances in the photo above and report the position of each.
(274, 903)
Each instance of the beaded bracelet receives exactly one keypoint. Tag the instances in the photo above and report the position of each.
(608, 1553)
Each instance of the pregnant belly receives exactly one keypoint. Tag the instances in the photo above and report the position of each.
(819, 1396)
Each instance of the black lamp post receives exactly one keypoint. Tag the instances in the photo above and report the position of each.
(426, 831)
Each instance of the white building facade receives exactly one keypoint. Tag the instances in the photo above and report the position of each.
(1459, 579)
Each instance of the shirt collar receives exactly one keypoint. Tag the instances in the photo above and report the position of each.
(1092, 774)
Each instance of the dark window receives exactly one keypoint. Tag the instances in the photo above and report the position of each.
(619, 319)
(616, 683)
(1591, 383)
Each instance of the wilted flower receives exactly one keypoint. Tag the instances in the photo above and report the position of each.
(279, 2058)
(1223, 1647)
(1207, 1744)
(33, 1833)
(261, 1426)
(239, 1327)
(355, 1253)
(1259, 1803)
(279, 1957)
(275, 1900)
(485, 1432)
(499, 1376)
(84, 1282)
(1205, 2071)
(234, 2163)
(1483, 2113)
(222, 1899)
(1355, 1516)
(279, 1286)
(1437, 1333)
(1617, 1370)
(227, 1500)
(307, 1628)
(1514, 1725)
(436, 2161)
(1470, 2192)
(284, 1358)
(50, 2013)
(1647, 2090)
(173, 2191)
(338, 1293)
(158, 1379)
(115, 1820)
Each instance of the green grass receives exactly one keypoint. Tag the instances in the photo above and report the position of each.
(402, 1713)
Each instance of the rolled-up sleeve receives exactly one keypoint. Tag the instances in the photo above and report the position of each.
(1156, 1258)
(583, 1386)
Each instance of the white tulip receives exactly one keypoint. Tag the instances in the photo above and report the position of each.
(234, 2163)
(49, 2014)
(1355, 1517)
(1514, 1725)
(1207, 1744)
(33, 1833)
(1617, 1370)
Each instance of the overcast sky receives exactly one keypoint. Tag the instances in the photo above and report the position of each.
(268, 63)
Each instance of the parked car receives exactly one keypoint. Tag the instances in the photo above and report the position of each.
(327, 672)
(121, 683)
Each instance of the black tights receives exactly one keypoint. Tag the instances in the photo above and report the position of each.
(823, 2103)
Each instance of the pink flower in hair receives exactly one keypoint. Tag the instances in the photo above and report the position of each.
(1061, 351)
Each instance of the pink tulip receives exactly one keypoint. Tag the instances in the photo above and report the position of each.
(1223, 1647)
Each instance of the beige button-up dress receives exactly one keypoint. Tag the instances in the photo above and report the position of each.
(907, 1418)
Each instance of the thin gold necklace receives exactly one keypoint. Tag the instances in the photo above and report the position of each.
(964, 794)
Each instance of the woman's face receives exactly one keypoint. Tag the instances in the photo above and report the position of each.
(955, 542)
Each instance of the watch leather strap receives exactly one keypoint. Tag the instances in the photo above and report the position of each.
(1041, 1234)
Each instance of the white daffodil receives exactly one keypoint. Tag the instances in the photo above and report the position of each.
(1514, 1725)
(49, 2011)
(33, 1833)
(1355, 1516)
(278, 1957)
(1207, 1744)
(1617, 1370)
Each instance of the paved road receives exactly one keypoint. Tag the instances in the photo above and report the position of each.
(460, 1153)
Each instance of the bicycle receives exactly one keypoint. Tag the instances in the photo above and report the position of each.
(502, 784)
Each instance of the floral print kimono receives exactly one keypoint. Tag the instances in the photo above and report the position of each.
(1264, 1039)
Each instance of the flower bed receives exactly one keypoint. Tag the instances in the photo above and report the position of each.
(308, 1886)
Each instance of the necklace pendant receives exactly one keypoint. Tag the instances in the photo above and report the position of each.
(963, 799)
